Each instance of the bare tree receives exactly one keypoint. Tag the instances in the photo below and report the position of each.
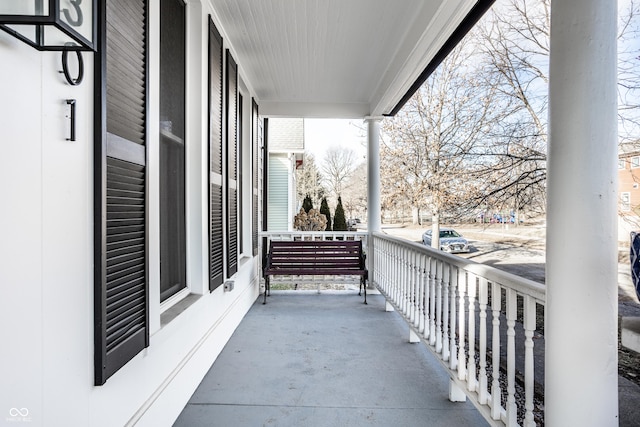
(337, 166)
(309, 180)
(514, 42)
(475, 136)
(431, 143)
(354, 193)
(629, 74)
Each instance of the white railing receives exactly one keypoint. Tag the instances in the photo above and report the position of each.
(468, 314)
(316, 235)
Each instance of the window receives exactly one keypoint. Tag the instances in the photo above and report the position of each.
(635, 162)
(625, 201)
(173, 260)
(621, 163)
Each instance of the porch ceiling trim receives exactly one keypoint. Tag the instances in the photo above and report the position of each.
(465, 26)
(341, 58)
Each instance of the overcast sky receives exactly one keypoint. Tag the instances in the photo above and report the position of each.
(320, 134)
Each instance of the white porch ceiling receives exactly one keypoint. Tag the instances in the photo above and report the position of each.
(335, 58)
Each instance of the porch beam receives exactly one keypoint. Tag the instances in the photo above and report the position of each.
(581, 383)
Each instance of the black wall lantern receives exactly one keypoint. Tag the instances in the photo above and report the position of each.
(59, 25)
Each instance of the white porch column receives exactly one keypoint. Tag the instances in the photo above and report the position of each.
(373, 187)
(581, 384)
(373, 174)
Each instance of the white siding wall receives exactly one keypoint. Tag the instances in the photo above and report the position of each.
(46, 248)
(278, 197)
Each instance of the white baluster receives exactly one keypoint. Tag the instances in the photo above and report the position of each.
(426, 276)
(453, 361)
(389, 270)
(472, 383)
(374, 276)
(398, 281)
(424, 279)
(398, 278)
(404, 281)
(496, 391)
(483, 299)
(381, 248)
(512, 410)
(413, 288)
(401, 281)
(462, 357)
(529, 328)
(439, 266)
(394, 268)
(386, 259)
(432, 302)
(420, 296)
(387, 267)
(411, 274)
(445, 312)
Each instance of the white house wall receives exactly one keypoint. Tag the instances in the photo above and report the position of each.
(46, 244)
(278, 209)
(46, 193)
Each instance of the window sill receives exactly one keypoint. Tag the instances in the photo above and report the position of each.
(243, 259)
(174, 311)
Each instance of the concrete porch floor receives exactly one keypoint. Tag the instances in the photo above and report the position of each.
(308, 359)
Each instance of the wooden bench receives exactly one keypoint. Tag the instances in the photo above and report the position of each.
(315, 258)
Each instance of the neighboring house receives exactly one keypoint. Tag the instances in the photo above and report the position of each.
(286, 152)
(628, 193)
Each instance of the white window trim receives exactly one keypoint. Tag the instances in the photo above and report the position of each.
(625, 205)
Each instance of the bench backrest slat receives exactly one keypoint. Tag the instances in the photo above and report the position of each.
(316, 257)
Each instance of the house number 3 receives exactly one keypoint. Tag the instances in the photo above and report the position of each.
(76, 7)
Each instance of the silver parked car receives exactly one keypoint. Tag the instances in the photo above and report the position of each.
(450, 240)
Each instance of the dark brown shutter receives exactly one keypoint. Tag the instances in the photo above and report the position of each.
(239, 184)
(254, 174)
(121, 289)
(216, 237)
(232, 153)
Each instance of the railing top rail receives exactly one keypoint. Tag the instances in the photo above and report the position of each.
(312, 233)
(519, 284)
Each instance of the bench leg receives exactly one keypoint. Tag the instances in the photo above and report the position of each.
(266, 289)
(363, 285)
